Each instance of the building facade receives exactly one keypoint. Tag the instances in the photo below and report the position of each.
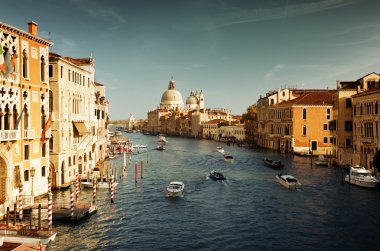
(24, 113)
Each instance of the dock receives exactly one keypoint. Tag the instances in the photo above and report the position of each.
(80, 212)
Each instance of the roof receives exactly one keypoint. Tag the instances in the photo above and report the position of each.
(28, 35)
(312, 98)
(80, 61)
(215, 121)
(367, 92)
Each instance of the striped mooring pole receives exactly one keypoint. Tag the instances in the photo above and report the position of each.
(72, 200)
(76, 185)
(20, 198)
(112, 189)
(50, 210)
(94, 190)
(49, 183)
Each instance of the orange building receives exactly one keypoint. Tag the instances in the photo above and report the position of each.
(24, 113)
(299, 125)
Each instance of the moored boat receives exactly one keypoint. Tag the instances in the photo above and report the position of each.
(99, 184)
(175, 189)
(360, 176)
(217, 175)
(321, 161)
(288, 181)
(273, 163)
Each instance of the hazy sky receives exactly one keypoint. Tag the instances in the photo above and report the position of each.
(233, 50)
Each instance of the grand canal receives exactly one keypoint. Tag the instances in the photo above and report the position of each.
(248, 211)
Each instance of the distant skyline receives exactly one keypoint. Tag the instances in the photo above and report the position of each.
(234, 51)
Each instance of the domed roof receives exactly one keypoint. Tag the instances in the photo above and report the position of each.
(191, 100)
(171, 96)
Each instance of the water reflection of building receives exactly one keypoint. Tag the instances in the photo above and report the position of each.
(185, 119)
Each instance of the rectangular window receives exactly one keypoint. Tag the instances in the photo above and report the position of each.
(272, 101)
(44, 150)
(61, 71)
(328, 113)
(314, 145)
(304, 130)
(69, 73)
(26, 175)
(325, 140)
(348, 142)
(348, 103)
(50, 71)
(325, 127)
(348, 126)
(304, 113)
(26, 152)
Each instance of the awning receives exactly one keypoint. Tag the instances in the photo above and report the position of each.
(81, 128)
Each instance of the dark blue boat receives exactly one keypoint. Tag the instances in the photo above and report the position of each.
(217, 175)
(273, 163)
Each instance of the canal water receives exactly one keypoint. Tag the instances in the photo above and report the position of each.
(248, 211)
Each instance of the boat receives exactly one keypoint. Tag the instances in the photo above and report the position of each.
(162, 139)
(228, 157)
(360, 176)
(273, 163)
(160, 147)
(216, 175)
(175, 189)
(139, 146)
(288, 181)
(99, 184)
(220, 149)
(321, 161)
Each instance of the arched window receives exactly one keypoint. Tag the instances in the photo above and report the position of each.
(43, 66)
(26, 117)
(304, 113)
(6, 118)
(43, 171)
(51, 101)
(24, 64)
(43, 117)
(14, 118)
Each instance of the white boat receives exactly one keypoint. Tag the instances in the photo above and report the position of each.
(220, 149)
(288, 181)
(160, 147)
(139, 146)
(100, 184)
(162, 139)
(321, 161)
(360, 176)
(175, 189)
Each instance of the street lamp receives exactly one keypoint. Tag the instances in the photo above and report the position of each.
(32, 173)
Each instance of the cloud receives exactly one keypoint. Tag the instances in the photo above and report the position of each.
(263, 13)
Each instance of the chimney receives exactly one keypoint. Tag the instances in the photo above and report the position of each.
(32, 28)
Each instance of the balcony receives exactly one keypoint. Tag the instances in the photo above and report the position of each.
(9, 135)
(29, 134)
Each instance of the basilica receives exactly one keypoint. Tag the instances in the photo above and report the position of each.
(174, 117)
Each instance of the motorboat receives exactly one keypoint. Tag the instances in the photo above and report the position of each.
(175, 189)
(99, 184)
(139, 146)
(228, 157)
(160, 147)
(162, 139)
(216, 175)
(273, 163)
(220, 149)
(360, 176)
(321, 161)
(288, 181)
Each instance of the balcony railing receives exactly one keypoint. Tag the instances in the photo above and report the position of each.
(29, 134)
(8, 135)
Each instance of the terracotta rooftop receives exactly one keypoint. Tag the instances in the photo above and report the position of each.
(367, 92)
(79, 61)
(312, 98)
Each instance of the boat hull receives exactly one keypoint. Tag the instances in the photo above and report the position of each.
(289, 185)
(360, 182)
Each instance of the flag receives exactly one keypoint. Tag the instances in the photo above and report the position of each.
(8, 64)
(19, 118)
(106, 103)
(13, 62)
(47, 127)
(2, 63)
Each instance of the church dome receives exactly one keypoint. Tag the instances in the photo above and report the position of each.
(171, 98)
(191, 100)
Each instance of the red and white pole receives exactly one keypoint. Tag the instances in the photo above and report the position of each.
(49, 184)
(20, 198)
(76, 185)
(72, 200)
(50, 210)
(94, 191)
(112, 189)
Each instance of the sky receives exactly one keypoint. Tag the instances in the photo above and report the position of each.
(232, 50)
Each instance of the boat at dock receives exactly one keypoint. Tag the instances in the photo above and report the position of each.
(321, 161)
(99, 184)
(81, 211)
(360, 176)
